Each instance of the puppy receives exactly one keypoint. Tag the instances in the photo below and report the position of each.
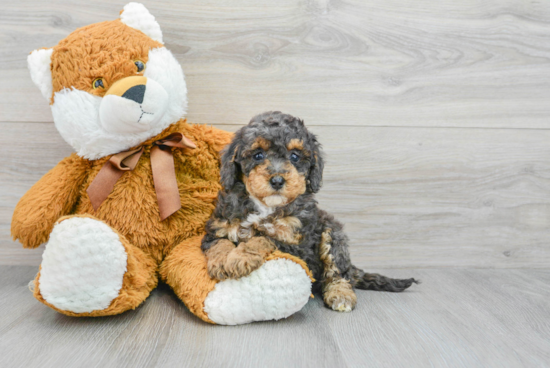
(270, 173)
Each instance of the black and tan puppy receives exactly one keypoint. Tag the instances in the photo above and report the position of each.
(270, 173)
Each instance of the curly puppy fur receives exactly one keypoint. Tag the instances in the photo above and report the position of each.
(270, 173)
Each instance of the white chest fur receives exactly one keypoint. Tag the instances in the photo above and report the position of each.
(283, 229)
(262, 213)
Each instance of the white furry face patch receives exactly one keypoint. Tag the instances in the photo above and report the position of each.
(139, 108)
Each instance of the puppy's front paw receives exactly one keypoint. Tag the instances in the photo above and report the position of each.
(339, 295)
(247, 257)
(215, 269)
(225, 261)
(240, 265)
(217, 256)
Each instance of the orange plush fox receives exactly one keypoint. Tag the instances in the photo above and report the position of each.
(132, 202)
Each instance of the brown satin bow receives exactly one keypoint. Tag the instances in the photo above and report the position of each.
(162, 165)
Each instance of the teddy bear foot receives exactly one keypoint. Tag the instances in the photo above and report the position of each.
(278, 289)
(83, 266)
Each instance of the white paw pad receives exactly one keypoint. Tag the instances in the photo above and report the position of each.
(276, 290)
(342, 305)
(82, 266)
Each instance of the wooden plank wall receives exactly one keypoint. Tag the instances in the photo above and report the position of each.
(434, 115)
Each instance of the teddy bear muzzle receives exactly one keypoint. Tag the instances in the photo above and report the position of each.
(133, 105)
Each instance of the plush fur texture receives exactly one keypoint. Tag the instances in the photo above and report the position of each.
(97, 125)
(39, 66)
(185, 270)
(106, 261)
(137, 16)
(270, 172)
(94, 279)
(275, 290)
(140, 277)
(131, 210)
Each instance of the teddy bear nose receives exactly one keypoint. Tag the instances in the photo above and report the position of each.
(277, 182)
(135, 93)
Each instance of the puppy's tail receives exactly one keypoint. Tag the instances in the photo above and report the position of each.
(374, 281)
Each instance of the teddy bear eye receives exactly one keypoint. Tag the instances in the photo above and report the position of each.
(139, 65)
(98, 83)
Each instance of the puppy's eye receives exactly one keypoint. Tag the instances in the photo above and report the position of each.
(294, 157)
(98, 83)
(259, 156)
(139, 65)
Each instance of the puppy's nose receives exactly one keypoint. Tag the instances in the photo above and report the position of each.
(277, 182)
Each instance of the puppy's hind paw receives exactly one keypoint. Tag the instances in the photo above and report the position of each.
(339, 295)
(342, 304)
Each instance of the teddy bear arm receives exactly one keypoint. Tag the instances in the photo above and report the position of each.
(53, 196)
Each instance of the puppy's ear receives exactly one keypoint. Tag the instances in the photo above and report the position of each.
(230, 169)
(315, 177)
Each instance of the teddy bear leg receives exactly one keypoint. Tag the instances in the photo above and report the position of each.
(278, 289)
(88, 269)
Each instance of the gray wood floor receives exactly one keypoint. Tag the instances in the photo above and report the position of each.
(455, 318)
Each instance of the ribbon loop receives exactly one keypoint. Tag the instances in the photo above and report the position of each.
(176, 140)
(162, 166)
(126, 161)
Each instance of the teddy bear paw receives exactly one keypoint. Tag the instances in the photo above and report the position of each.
(278, 289)
(82, 266)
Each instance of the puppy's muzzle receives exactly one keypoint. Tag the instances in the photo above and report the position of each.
(277, 182)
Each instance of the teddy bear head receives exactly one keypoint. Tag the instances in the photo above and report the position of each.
(111, 85)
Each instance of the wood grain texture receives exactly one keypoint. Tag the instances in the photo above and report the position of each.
(409, 197)
(456, 318)
(342, 62)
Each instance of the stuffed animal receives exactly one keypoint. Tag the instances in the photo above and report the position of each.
(131, 204)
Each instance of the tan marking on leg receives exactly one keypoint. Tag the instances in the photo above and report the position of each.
(330, 270)
(286, 230)
(216, 257)
(220, 227)
(337, 291)
(283, 229)
(296, 144)
(245, 233)
(233, 231)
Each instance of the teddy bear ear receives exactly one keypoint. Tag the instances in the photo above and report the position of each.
(39, 63)
(135, 15)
